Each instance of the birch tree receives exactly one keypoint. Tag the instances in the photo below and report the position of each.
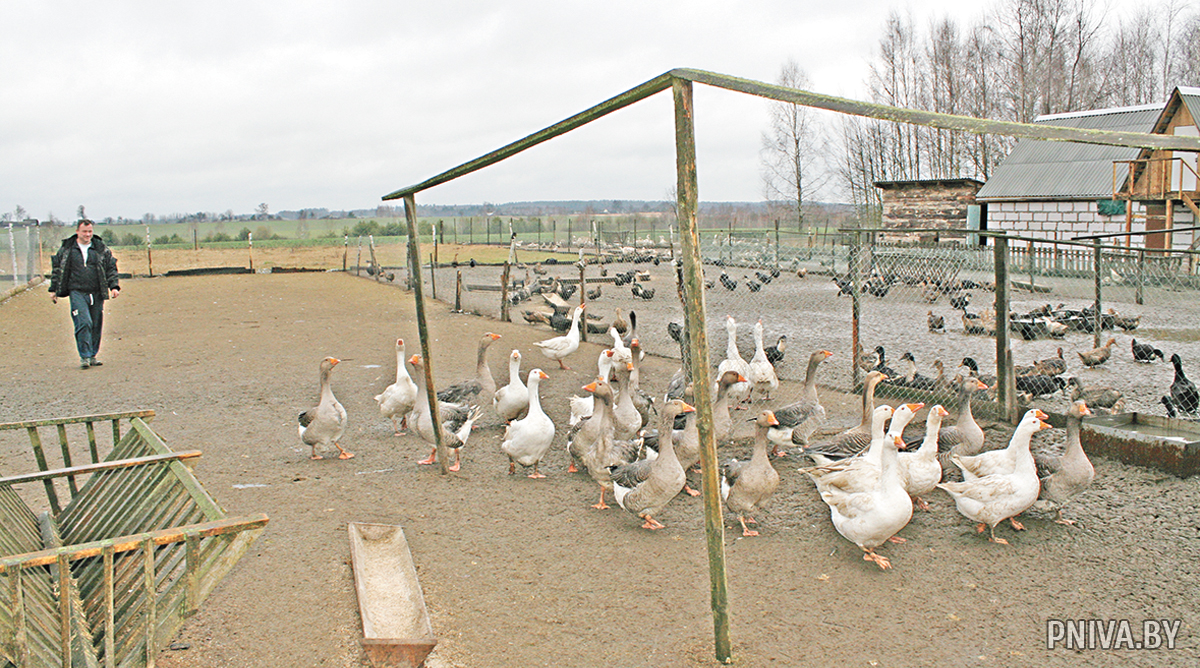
(791, 147)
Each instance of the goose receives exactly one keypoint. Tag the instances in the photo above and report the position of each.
(1106, 398)
(775, 353)
(748, 486)
(399, 397)
(527, 440)
(733, 362)
(581, 407)
(594, 441)
(1065, 476)
(630, 333)
(326, 422)
(1002, 461)
(643, 402)
(512, 400)
(647, 494)
(1183, 392)
(859, 470)
(851, 441)
(626, 417)
(560, 347)
(688, 436)
(483, 384)
(937, 323)
(762, 374)
(966, 436)
(797, 421)
(1097, 356)
(1144, 352)
(457, 419)
(920, 470)
(869, 512)
(992, 498)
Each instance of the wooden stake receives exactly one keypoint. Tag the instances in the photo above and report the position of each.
(414, 255)
(1006, 390)
(458, 292)
(504, 293)
(583, 299)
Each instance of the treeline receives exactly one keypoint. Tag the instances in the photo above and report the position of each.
(1020, 60)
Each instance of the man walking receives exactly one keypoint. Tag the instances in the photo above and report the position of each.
(85, 271)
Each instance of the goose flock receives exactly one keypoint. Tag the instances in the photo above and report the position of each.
(640, 447)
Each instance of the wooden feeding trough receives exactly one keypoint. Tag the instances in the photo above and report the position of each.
(101, 563)
(1168, 444)
(396, 628)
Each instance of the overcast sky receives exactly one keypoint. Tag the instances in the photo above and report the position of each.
(166, 107)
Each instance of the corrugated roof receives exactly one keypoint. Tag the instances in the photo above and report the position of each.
(1191, 100)
(1039, 169)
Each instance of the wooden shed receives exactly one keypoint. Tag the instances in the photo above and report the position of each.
(925, 204)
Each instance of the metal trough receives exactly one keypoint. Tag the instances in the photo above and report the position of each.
(1168, 444)
(396, 628)
(101, 564)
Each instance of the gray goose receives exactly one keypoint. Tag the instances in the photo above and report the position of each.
(483, 384)
(796, 422)
(1065, 476)
(457, 419)
(594, 440)
(326, 422)
(663, 477)
(964, 438)
(748, 486)
(857, 438)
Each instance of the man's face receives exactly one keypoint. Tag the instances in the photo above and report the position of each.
(85, 234)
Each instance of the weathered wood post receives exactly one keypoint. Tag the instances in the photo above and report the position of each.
(149, 259)
(250, 250)
(1029, 265)
(699, 364)
(414, 255)
(345, 250)
(776, 243)
(375, 263)
(432, 273)
(855, 271)
(1096, 257)
(458, 292)
(1141, 276)
(1006, 391)
(504, 292)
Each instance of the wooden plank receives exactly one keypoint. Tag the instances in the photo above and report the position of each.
(76, 420)
(151, 595)
(109, 626)
(35, 441)
(133, 542)
(199, 494)
(91, 435)
(104, 466)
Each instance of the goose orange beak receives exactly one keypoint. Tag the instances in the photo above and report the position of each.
(1040, 415)
(827, 353)
(941, 411)
(915, 407)
(771, 419)
(899, 443)
(629, 366)
(979, 385)
(542, 375)
(1044, 425)
(742, 379)
(494, 336)
(1085, 410)
(688, 408)
(590, 387)
(414, 360)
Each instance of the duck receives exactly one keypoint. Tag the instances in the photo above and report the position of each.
(1065, 476)
(920, 470)
(399, 397)
(1097, 356)
(1004, 460)
(881, 364)
(630, 333)
(1051, 366)
(973, 324)
(797, 421)
(776, 352)
(1005, 493)
(594, 293)
(734, 362)
(620, 323)
(1183, 395)
(910, 377)
(457, 419)
(937, 323)
(512, 400)
(854, 440)
(560, 347)
(595, 443)
(527, 440)
(1127, 323)
(1144, 352)
(748, 486)
(989, 380)
(646, 495)
(483, 384)
(762, 373)
(325, 423)
(1111, 401)
(866, 361)
(870, 511)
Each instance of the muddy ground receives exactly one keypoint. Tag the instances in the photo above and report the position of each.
(520, 572)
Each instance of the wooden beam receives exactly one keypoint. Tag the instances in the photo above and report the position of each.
(76, 420)
(93, 468)
(414, 262)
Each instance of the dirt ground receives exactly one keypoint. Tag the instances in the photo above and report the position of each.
(521, 572)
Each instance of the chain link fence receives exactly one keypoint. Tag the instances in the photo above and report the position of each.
(21, 256)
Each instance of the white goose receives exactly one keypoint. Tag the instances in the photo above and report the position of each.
(733, 362)
(582, 407)
(399, 397)
(457, 419)
(1003, 461)
(921, 471)
(326, 422)
(512, 400)
(526, 441)
(762, 373)
(995, 497)
(559, 347)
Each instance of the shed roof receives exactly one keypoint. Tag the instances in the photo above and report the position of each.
(891, 185)
(1039, 169)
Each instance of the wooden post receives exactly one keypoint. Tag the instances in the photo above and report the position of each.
(432, 273)
(458, 292)
(149, 259)
(250, 250)
(697, 330)
(1006, 390)
(1141, 275)
(375, 262)
(583, 298)
(1029, 265)
(1096, 257)
(776, 243)
(855, 271)
(345, 250)
(358, 264)
(414, 254)
(504, 293)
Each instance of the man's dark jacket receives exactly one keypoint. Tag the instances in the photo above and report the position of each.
(69, 256)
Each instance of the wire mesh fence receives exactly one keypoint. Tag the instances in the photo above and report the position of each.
(20, 254)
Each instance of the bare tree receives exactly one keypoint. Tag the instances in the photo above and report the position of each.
(1131, 61)
(1185, 56)
(81, 212)
(791, 149)
(262, 211)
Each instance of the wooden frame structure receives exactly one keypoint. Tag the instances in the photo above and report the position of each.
(680, 81)
(110, 577)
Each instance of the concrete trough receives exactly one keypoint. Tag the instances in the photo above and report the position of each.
(1167, 444)
(396, 627)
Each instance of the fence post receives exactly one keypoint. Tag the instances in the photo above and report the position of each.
(345, 250)
(358, 264)
(1141, 275)
(414, 260)
(250, 250)
(854, 268)
(504, 292)
(432, 273)
(583, 298)
(695, 323)
(1096, 253)
(776, 243)
(1029, 266)
(458, 292)
(1005, 379)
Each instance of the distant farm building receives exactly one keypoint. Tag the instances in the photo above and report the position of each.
(941, 204)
